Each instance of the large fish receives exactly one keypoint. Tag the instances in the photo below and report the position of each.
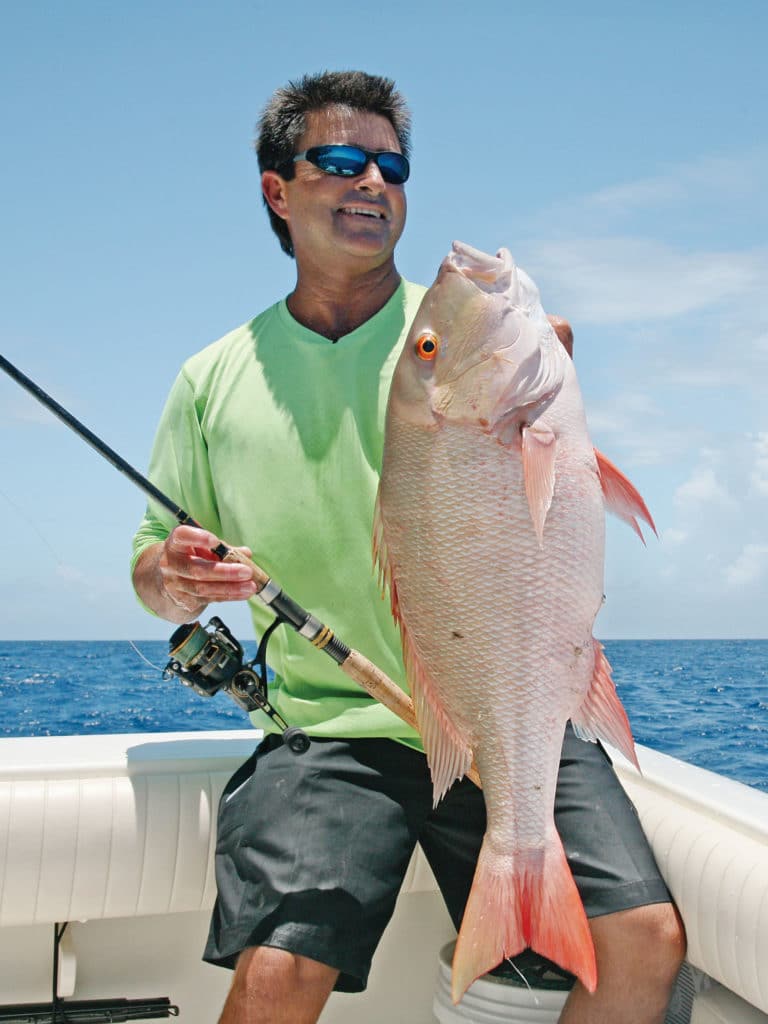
(490, 535)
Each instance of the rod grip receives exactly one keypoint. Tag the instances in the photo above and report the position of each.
(383, 689)
(260, 578)
(375, 682)
(379, 686)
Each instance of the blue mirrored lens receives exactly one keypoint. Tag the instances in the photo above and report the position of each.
(394, 167)
(339, 160)
(349, 161)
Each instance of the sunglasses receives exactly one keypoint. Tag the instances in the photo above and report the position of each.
(349, 161)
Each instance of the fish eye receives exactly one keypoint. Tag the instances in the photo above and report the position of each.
(426, 346)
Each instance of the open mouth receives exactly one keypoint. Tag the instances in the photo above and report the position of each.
(362, 211)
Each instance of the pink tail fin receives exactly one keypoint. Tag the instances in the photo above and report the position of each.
(520, 900)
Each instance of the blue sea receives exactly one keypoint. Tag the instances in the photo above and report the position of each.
(704, 701)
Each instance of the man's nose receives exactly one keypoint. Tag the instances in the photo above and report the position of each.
(371, 178)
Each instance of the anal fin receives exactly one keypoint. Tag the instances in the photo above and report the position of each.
(601, 715)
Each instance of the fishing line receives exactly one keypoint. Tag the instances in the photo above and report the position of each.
(354, 664)
(27, 519)
(60, 563)
(523, 978)
(158, 668)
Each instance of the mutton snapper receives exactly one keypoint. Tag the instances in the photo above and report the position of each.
(490, 535)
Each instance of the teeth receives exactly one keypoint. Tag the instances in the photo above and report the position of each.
(364, 212)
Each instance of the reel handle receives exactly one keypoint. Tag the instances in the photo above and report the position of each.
(296, 740)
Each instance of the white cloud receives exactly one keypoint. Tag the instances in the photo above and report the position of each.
(632, 423)
(625, 279)
(617, 256)
(759, 475)
(715, 540)
(615, 416)
(70, 573)
(720, 178)
(750, 566)
(674, 537)
(695, 376)
(702, 487)
(26, 410)
(94, 589)
(17, 405)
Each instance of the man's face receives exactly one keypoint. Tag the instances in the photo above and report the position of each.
(333, 217)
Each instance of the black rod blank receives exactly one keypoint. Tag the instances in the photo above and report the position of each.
(352, 662)
(95, 442)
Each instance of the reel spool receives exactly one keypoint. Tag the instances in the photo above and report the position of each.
(209, 658)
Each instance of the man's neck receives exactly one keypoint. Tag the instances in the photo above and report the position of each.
(335, 305)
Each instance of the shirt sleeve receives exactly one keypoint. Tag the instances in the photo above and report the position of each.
(180, 468)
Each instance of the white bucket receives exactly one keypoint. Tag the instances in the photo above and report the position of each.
(492, 1000)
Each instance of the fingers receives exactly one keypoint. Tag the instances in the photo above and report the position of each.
(193, 540)
(564, 332)
(192, 576)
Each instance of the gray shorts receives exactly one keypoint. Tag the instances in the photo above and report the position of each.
(312, 849)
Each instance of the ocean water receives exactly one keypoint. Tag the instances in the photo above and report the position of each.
(704, 701)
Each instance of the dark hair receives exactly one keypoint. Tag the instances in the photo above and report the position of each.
(284, 120)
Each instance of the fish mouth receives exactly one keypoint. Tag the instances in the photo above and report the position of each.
(488, 273)
(357, 210)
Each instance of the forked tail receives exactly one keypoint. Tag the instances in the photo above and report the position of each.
(519, 900)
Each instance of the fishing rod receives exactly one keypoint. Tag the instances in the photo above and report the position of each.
(189, 642)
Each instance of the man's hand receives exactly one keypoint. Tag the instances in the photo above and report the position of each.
(179, 577)
(564, 333)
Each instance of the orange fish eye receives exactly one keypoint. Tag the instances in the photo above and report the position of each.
(427, 345)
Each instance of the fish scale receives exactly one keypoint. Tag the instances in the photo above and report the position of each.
(501, 680)
(496, 588)
(490, 534)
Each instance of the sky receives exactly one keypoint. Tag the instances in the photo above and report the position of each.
(619, 151)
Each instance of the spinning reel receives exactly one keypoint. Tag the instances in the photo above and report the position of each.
(209, 659)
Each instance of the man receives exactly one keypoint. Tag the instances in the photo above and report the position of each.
(272, 438)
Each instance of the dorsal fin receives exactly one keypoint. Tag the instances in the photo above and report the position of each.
(621, 496)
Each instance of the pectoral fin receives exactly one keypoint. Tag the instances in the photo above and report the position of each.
(539, 473)
(621, 497)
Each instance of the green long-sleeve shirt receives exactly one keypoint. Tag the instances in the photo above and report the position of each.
(272, 438)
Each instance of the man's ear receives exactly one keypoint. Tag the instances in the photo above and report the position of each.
(273, 189)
